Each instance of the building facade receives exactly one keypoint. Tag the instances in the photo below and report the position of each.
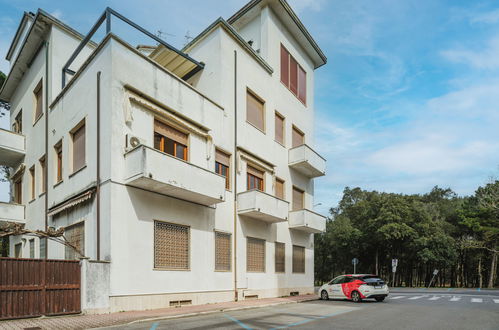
(181, 176)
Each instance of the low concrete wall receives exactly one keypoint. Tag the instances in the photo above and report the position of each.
(94, 286)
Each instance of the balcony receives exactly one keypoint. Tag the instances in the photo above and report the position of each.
(153, 170)
(12, 212)
(12, 148)
(307, 220)
(306, 161)
(262, 206)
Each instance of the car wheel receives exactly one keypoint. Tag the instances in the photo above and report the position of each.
(356, 297)
(380, 299)
(324, 295)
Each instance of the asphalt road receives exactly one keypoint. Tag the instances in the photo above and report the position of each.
(402, 310)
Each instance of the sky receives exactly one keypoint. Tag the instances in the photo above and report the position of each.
(409, 98)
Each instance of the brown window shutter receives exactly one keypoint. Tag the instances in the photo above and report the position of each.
(171, 246)
(255, 111)
(280, 257)
(279, 188)
(44, 177)
(33, 182)
(18, 191)
(302, 85)
(222, 251)
(279, 128)
(297, 138)
(79, 148)
(170, 133)
(251, 170)
(293, 75)
(298, 259)
(38, 99)
(255, 255)
(222, 158)
(297, 199)
(284, 66)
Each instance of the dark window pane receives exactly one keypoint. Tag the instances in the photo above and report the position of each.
(169, 147)
(157, 141)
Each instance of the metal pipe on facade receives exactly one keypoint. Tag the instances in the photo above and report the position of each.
(97, 191)
(235, 176)
(45, 170)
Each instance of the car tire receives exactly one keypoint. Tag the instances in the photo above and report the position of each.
(380, 299)
(324, 295)
(356, 297)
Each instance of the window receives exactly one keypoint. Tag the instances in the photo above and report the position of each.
(58, 154)
(279, 188)
(255, 178)
(298, 196)
(255, 255)
(43, 174)
(32, 248)
(222, 251)
(298, 259)
(75, 235)
(279, 128)
(32, 179)
(18, 250)
(293, 75)
(222, 166)
(171, 246)
(337, 280)
(38, 93)
(255, 112)
(170, 140)
(17, 127)
(298, 138)
(78, 137)
(43, 246)
(18, 191)
(280, 255)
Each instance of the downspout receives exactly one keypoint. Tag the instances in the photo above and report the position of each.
(97, 190)
(45, 188)
(235, 176)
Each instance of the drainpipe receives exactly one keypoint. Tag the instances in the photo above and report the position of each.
(46, 144)
(97, 190)
(235, 176)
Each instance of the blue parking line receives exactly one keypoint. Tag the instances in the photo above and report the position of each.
(449, 289)
(244, 326)
(154, 326)
(310, 319)
(478, 289)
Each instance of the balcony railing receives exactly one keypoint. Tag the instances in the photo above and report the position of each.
(12, 148)
(12, 212)
(307, 220)
(306, 161)
(262, 206)
(153, 170)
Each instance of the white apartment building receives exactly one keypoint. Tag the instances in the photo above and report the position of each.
(182, 176)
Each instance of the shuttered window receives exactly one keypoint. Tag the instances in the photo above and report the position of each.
(255, 112)
(58, 156)
(75, 235)
(18, 191)
(222, 251)
(255, 178)
(279, 188)
(293, 76)
(170, 140)
(298, 196)
(171, 246)
(280, 257)
(298, 259)
(222, 166)
(43, 174)
(298, 138)
(32, 182)
(18, 123)
(38, 93)
(79, 148)
(255, 255)
(279, 128)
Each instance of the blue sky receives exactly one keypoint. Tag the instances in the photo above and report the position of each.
(409, 98)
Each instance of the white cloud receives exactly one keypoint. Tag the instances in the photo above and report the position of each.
(301, 5)
(57, 14)
(485, 58)
(489, 17)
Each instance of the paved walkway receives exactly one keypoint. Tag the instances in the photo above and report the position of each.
(104, 320)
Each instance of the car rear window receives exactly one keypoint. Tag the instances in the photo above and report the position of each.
(370, 278)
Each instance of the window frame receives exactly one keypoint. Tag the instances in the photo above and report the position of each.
(59, 163)
(163, 138)
(294, 129)
(295, 188)
(189, 261)
(302, 248)
(73, 132)
(283, 245)
(256, 178)
(248, 239)
(38, 101)
(277, 179)
(43, 164)
(222, 165)
(82, 248)
(287, 83)
(279, 115)
(32, 183)
(251, 93)
(223, 233)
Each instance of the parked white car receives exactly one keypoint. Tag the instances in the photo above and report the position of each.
(355, 287)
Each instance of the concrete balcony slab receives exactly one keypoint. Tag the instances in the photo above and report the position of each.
(307, 161)
(307, 220)
(12, 149)
(12, 212)
(261, 206)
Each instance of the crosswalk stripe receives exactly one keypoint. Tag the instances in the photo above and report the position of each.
(455, 299)
(416, 297)
(434, 298)
(397, 297)
(496, 301)
(476, 300)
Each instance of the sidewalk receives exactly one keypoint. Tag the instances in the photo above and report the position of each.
(104, 320)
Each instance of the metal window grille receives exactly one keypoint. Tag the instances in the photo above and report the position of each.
(280, 249)
(222, 251)
(255, 255)
(298, 259)
(171, 246)
(75, 236)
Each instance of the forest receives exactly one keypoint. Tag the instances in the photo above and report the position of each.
(458, 236)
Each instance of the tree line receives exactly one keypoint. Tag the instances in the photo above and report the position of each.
(458, 236)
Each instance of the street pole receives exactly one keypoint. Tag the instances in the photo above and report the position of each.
(354, 268)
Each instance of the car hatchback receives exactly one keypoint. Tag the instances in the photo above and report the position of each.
(355, 287)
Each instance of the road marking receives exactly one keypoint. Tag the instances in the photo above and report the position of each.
(449, 289)
(416, 297)
(245, 326)
(434, 298)
(310, 320)
(476, 300)
(397, 297)
(154, 326)
(496, 301)
(455, 299)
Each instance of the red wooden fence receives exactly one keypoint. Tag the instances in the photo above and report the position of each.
(35, 287)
